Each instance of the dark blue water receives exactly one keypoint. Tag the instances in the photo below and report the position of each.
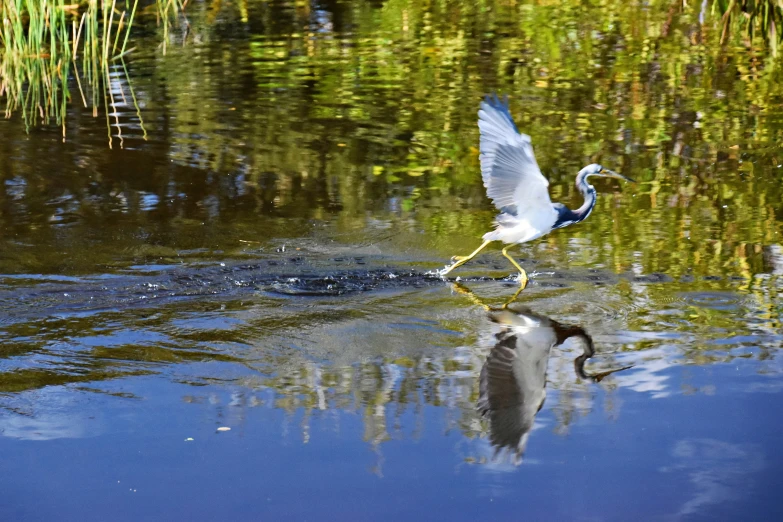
(705, 457)
(371, 414)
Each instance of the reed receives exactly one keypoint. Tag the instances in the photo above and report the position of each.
(45, 45)
(758, 18)
(35, 55)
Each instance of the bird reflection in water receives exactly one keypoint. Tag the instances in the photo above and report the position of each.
(512, 384)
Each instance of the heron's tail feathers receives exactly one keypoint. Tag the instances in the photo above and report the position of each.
(511, 229)
(503, 223)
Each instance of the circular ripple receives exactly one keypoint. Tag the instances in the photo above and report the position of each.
(716, 300)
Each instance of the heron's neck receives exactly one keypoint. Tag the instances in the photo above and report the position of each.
(566, 216)
(588, 192)
(565, 332)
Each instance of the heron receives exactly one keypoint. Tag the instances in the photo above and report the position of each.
(517, 187)
(512, 382)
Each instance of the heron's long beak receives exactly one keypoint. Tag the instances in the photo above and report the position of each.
(612, 174)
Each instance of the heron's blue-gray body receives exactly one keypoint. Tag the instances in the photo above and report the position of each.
(515, 183)
(517, 187)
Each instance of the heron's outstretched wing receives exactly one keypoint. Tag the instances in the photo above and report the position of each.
(509, 169)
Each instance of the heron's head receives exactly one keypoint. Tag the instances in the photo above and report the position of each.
(595, 169)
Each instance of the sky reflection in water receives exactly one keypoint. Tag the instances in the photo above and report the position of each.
(378, 419)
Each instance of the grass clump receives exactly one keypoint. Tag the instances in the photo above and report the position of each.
(762, 18)
(45, 43)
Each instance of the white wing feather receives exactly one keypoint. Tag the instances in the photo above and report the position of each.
(511, 175)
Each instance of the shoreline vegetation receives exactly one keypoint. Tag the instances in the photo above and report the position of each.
(47, 45)
(53, 52)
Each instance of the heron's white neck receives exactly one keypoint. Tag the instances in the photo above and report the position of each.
(588, 191)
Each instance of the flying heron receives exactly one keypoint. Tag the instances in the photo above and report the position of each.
(517, 187)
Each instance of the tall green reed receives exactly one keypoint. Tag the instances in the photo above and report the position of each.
(762, 18)
(45, 45)
(35, 55)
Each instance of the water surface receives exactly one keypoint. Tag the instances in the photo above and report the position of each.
(255, 249)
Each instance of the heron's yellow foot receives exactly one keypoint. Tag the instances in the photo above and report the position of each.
(449, 268)
(461, 260)
(523, 279)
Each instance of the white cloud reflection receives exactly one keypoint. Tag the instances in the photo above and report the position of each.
(51, 413)
(718, 471)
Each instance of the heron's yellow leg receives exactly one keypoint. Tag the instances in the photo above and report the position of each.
(523, 279)
(461, 260)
